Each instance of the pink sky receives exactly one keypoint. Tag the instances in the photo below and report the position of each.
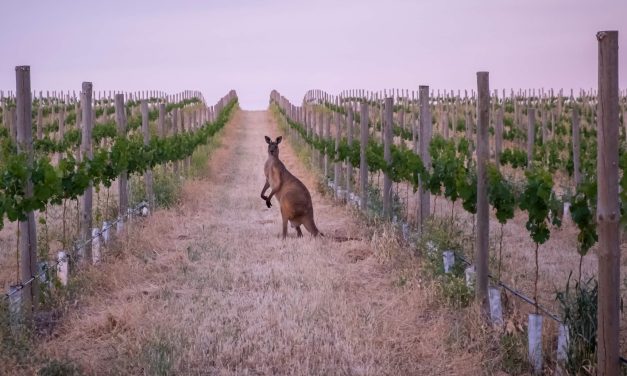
(292, 46)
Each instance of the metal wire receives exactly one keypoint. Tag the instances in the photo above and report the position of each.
(52, 267)
(514, 292)
(524, 298)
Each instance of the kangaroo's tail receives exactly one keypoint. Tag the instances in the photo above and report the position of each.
(310, 225)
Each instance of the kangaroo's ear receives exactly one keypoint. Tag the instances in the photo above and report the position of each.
(278, 139)
(268, 140)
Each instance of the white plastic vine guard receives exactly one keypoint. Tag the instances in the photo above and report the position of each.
(471, 274)
(95, 245)
(15, 303)
(496, 311)
(563, 339)
(340, 193)
(62, 267)
(119, 226)
(449, 260)
(535, 342)
(105, 232)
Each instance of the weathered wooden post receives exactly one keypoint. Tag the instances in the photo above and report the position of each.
(150, 196)
(531, 134)
(40, 121)
(363, 161)
(401, 115)
(608, 211)
(161, 121)
(120, 118)
(188, 128)
(337, 165)
(327, 138)
(175, 131)
(62, 124)
(424, 141)
(545, 120)
(320, 138)
(79, 114)
(483, 209)
(498, 134)
(387, 155)
(453, 109)
(27, 228)
(444, 121)
(349, 139)
(87, 153)
(469, 125)
(576, 146)
(5, 111)
(12, 121)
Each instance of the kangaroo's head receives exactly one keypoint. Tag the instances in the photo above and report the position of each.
(273, 147)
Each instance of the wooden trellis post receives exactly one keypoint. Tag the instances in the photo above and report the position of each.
(40, 121)
(608, 211)
(531, 134)
(87, 153)
(188, 125)
(363, 161)
(483, 209)
(498, 135)
(150, 196)
(175, 131)
(161, 122)
(321, 137)
(349, 139)
(576, 146)
(28, 232)
(387, 155)
(424, 141)
(327, 137)
(120, 117)
(337, 166)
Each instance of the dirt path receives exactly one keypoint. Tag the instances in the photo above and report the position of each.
(209, 288)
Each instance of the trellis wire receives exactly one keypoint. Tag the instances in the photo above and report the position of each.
(525, 298)
(47, 268)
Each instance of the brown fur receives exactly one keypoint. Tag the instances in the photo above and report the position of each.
(294, 198)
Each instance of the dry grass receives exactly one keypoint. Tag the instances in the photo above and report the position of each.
(558, 257)
(208, 287)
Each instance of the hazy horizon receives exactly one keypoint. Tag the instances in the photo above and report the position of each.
(294, 46)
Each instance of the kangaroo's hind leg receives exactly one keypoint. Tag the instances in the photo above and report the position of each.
(284, 227)
(296, 225)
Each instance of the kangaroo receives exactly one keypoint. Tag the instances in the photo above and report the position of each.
(294, 198)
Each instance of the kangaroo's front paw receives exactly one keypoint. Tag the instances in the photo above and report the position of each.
(268, 203)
